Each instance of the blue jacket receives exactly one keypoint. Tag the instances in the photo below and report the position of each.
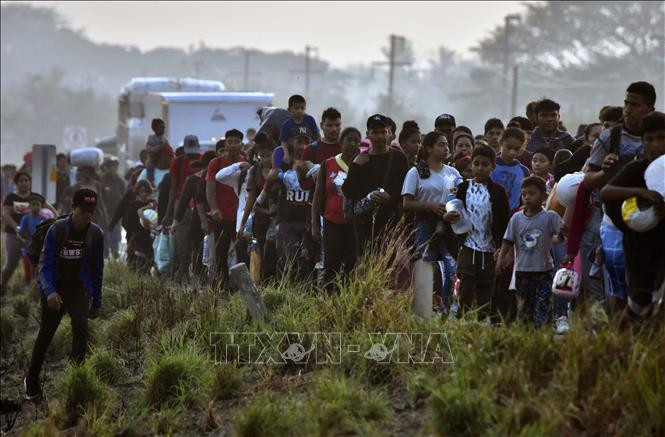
(563, 140)
(92, 265)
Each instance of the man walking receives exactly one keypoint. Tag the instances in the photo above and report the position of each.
(70, 273)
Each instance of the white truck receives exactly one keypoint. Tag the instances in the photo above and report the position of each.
(188, 106)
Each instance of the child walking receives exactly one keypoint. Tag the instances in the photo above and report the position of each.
(27, 228)
(486, 208)
(531, 232)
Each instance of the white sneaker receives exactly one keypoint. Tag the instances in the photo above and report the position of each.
(562, 325)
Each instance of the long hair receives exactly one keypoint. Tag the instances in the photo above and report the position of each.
(423, 155)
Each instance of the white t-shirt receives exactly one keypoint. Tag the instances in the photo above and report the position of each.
(479, 213)
(433, 189)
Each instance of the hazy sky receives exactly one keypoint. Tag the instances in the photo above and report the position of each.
(344, 32)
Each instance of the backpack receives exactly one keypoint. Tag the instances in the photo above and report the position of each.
(36, 243)
(615, 143)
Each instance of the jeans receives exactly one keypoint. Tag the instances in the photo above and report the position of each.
(593, 287)
(615, 264)
(431, 247)
(114, 237)
(76, 303)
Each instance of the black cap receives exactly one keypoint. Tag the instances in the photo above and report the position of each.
(302, 132)
(85, 199)
(445, 119)
(377, 119)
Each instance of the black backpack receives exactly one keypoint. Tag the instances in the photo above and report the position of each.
(36, 243)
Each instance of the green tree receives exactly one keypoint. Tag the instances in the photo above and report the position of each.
(583, 54)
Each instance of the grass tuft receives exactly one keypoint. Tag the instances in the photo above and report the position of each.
(82, 391)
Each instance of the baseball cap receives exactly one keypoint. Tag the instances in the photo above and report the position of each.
(445, 119)
(375, 120)
(85, 199)
(302, 132)
(191, 145)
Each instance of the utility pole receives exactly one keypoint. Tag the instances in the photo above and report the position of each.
(308, 68)
(513, 100)
(507, 51)
(392, 63)
(246, 72)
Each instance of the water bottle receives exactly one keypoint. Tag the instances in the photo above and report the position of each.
(206, 245)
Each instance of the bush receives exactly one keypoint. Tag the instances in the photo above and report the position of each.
(122, 329)
(182, 376)
(269, 416)
(82, 391)
(458, 409)
(229, 381)
(342, 404)
(108, 367)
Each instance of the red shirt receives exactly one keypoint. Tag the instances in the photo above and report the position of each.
(323, 152)
(334, 210)
(180, 169)
(227, 201)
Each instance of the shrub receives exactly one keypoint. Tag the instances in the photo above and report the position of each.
(181, 376)
(458, 409)
(269, 416)
(229, 381)
(122, 329)
(108, 367)
(82, 390)
(341, 404)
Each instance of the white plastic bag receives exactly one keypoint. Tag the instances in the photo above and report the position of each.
(566, 283)
(86, 157)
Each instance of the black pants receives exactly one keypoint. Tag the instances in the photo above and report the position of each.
(339, 249)
(290, 250)
(225, 233)
(504, 301)
(76, 303)
(475, 271)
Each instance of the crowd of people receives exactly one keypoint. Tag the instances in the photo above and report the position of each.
(496, 213)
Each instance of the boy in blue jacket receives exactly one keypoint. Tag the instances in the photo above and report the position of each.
(70, 275)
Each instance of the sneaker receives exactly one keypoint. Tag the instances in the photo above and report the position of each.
(562, 325)
(32, 393)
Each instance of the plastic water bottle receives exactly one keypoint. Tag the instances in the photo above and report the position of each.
(206, 246)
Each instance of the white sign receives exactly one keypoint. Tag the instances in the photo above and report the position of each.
(75, 137)
(44, 172)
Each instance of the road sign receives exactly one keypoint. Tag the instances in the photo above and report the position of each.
(44, 172)
(75, 137)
